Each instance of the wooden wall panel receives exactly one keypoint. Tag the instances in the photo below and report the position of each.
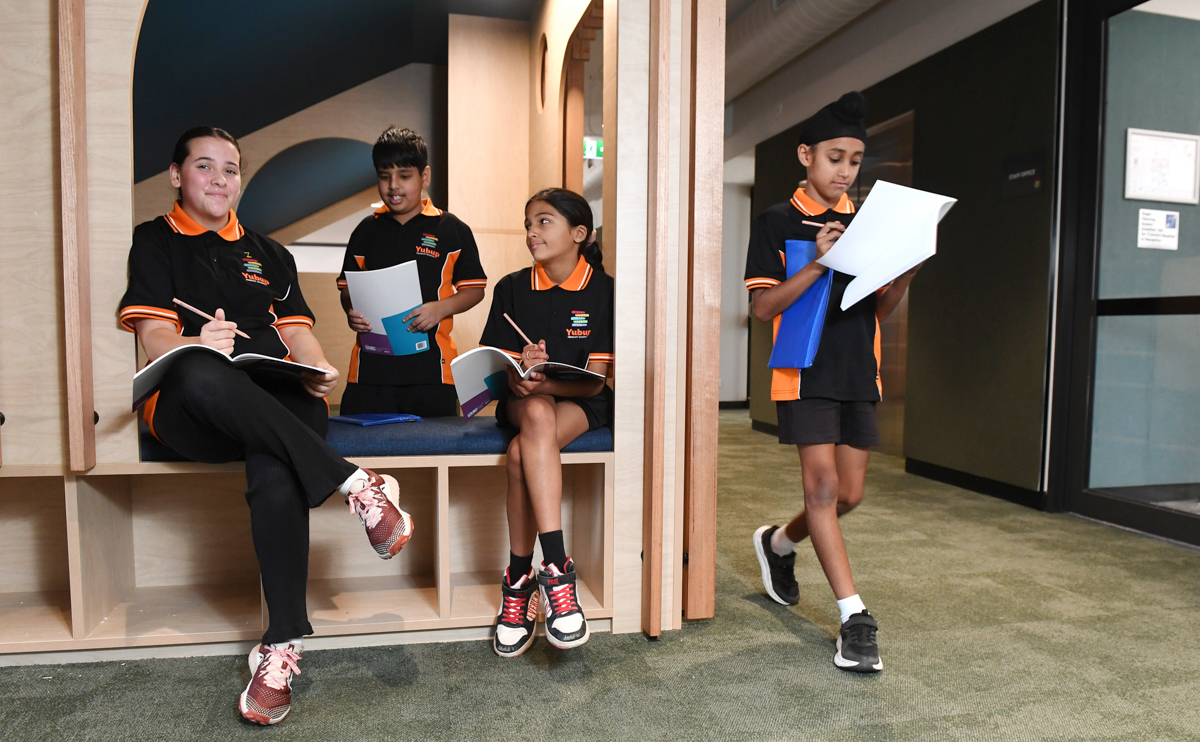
(403, 97)
(556, 20)
(77, 315)
(112, 27)
(31, 337)
(627, 27)
(334, 335)
(488, 138)
(704, 305)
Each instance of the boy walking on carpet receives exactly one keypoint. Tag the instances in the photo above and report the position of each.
(828, 409)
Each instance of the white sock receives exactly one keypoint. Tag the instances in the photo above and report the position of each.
(296, 645)
(348, 486)
(850, 606)
(780, 544)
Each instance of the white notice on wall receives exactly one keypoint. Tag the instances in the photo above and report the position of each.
(1158, 229)
(1162, 166)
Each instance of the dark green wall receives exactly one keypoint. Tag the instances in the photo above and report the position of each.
(978, 311)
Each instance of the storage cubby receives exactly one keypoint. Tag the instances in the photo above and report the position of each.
(166, 558)
(35, 595)
(352, 590)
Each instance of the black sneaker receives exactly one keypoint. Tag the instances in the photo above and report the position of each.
(518, 616)
(778, 572)
(565, 625)
(857, 649)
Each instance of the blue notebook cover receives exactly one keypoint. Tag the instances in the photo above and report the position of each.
(403, 342)
(376, 419)
(800, 328)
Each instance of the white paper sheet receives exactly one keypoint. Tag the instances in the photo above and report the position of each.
(384, 292)
(895, 229)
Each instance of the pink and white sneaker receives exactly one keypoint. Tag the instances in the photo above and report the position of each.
(268, 698)
(388, 527)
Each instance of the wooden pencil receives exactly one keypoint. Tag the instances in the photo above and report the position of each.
(208, 317)
(518, 329)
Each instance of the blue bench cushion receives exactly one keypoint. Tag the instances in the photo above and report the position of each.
(442, 436)
(434, 436)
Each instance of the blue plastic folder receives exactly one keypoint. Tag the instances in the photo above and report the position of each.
(800, 328)
(376, 418)
(403, 342)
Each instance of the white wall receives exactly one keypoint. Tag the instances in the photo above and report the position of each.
(735, 310)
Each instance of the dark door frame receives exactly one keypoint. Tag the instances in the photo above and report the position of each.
(1075, 321)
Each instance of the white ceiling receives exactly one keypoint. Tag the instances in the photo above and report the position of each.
(1178, 8)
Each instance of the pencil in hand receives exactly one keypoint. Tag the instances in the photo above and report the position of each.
(211, 318)
(518, 329)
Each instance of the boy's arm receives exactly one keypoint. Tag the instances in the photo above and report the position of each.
(890, 297)
(771, 302)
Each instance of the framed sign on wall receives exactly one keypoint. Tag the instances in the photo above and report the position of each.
(1162, 166)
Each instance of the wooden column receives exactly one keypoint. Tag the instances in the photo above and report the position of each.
(573, 124)
(77, 314)
(658, 182)
(704, 306)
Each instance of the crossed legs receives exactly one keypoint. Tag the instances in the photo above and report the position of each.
(535, 466)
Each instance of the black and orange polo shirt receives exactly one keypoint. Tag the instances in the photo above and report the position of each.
(575, 318)
(447, 261)
(252, 277)
(846, 367)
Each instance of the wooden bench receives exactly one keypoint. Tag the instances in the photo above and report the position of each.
(159, 552)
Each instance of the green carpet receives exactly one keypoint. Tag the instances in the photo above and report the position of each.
(996, 623)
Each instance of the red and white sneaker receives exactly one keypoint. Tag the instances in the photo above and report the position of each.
(518, 616)
(565, 625)
(268, 698)
(388, 527)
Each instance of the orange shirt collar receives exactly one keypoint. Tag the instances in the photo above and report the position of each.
(806, 205)
(576, 281)
(427, 208)
(184, 224)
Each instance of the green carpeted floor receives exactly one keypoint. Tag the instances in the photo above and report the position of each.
(996, 623)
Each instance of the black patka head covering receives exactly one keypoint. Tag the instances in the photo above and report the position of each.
(841, 119)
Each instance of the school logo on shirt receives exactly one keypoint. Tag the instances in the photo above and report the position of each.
(252, 270)
(579, 324)
(428, 246)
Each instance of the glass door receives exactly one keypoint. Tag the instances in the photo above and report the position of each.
(1137, 457)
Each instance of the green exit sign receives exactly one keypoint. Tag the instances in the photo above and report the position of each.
(593, 149)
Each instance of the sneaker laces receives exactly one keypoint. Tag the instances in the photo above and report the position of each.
(367, 504)
(513, 610)
(277, 667)
(862, 634)
(562, 598)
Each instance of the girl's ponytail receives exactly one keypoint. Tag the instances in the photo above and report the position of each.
(575, 209)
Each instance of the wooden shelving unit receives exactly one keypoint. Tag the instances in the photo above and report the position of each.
(153, 554)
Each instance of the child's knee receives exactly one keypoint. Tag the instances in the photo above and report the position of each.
(821, 489)
(538, 413)
(850, 499)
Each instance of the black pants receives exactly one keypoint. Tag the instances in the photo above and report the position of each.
(424, 400)
(211, 412)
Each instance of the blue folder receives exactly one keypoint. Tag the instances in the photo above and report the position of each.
(376, 418)
(800, 328)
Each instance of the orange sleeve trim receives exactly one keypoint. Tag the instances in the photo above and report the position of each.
(137, 312)
(761, 283)
(296, 319)
(471, 283)
(341, 283)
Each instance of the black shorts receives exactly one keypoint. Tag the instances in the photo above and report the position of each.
(808, 421)
(598, 409)
(424, 400)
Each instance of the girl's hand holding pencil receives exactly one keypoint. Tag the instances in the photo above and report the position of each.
(219, 334)
(828, 236)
